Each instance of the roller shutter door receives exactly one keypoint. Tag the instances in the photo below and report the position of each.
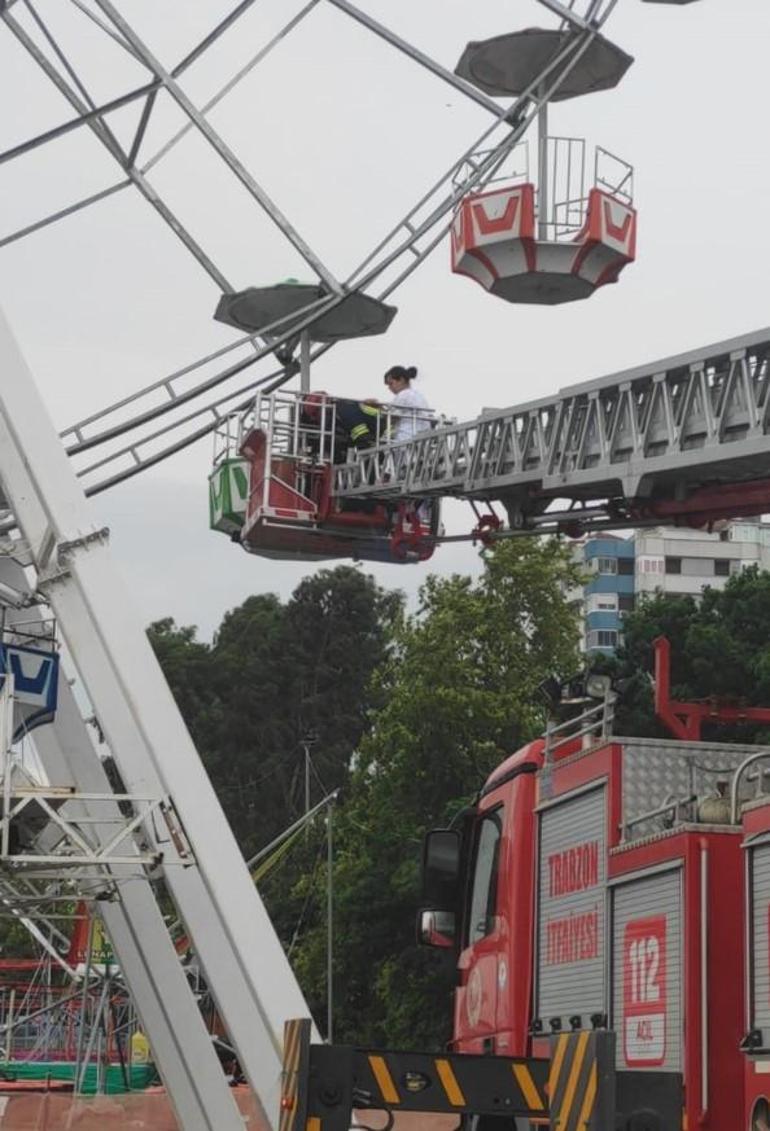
(647, 972)
(760, 927)
(572, 893)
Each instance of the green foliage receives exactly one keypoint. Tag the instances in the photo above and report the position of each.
(409, 715)
(720, 646)
(275, 674)
(458, 693)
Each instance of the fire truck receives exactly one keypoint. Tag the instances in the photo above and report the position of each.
(605, 883)
(608, 901)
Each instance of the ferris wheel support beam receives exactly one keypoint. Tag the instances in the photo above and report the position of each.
(231, 83)
(134, 923)
(94, 198)
(143, 948)
(141, 129)
(98, 127)
(250, 979)
(83, 119)
(414, 238)
(212, 36)
(566, 14)
(105, 27)
(215, 141)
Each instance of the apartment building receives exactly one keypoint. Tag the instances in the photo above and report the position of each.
(670, 560)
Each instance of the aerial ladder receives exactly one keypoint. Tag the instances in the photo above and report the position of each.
(679, 441)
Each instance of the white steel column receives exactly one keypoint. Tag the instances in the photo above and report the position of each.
(245, 967)
(169, 1013)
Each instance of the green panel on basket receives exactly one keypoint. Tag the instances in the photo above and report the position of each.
(228, 494)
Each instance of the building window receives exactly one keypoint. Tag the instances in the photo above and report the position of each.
(722, 567)
(626, 566)
(647, 564)
(626, 602)
(673, 565)
(602, 603)
(602, 638)
(607, 565)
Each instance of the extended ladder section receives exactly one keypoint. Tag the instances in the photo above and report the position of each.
(680, 440)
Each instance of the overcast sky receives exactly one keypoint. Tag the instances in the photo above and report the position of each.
(346, 134)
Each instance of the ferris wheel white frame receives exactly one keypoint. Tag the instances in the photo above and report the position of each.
(136, 432)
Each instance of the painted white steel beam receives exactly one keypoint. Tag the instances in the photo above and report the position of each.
(169, 1013)
(244, 965)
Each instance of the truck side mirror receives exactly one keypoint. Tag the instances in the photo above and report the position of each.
(441, 868)
(436, 928)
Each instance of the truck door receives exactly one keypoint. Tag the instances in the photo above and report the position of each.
(647, 1011)
(476, 999)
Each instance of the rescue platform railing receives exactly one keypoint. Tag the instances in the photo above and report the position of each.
(592, 725)
(735, 785)
(299, 425)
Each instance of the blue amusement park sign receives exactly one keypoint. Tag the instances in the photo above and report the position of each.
(35, 685)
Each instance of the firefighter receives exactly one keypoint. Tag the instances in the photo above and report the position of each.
(355, 423)
(357, 426)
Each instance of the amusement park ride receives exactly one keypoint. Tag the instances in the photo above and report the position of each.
(683, 440)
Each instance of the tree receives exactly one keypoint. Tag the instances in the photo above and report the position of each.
(720, 646)
(186, 663)
(458, 695)
(275, 675)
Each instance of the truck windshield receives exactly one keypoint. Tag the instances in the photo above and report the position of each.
(484, 891)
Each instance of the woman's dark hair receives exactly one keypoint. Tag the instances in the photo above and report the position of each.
(402, 373)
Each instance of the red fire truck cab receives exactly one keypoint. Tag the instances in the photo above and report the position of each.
(604, 882)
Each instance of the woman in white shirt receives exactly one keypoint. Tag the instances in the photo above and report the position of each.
(409, 408)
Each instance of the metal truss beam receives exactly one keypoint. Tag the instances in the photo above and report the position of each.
(218, 145)
(84, 119)
(103, 134)
(658, 431)
(420, 57)
(401, 251)
(244, 965)
(410, 230)
(144, 951)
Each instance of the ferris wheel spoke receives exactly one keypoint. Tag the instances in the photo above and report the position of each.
(215, 141)
(177, 398)
(150, 431)
(483, 164)
(105, 27)
(246, 69)
(62, 213)
(96, 123)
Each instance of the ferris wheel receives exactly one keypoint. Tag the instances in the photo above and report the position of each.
(547, 231)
